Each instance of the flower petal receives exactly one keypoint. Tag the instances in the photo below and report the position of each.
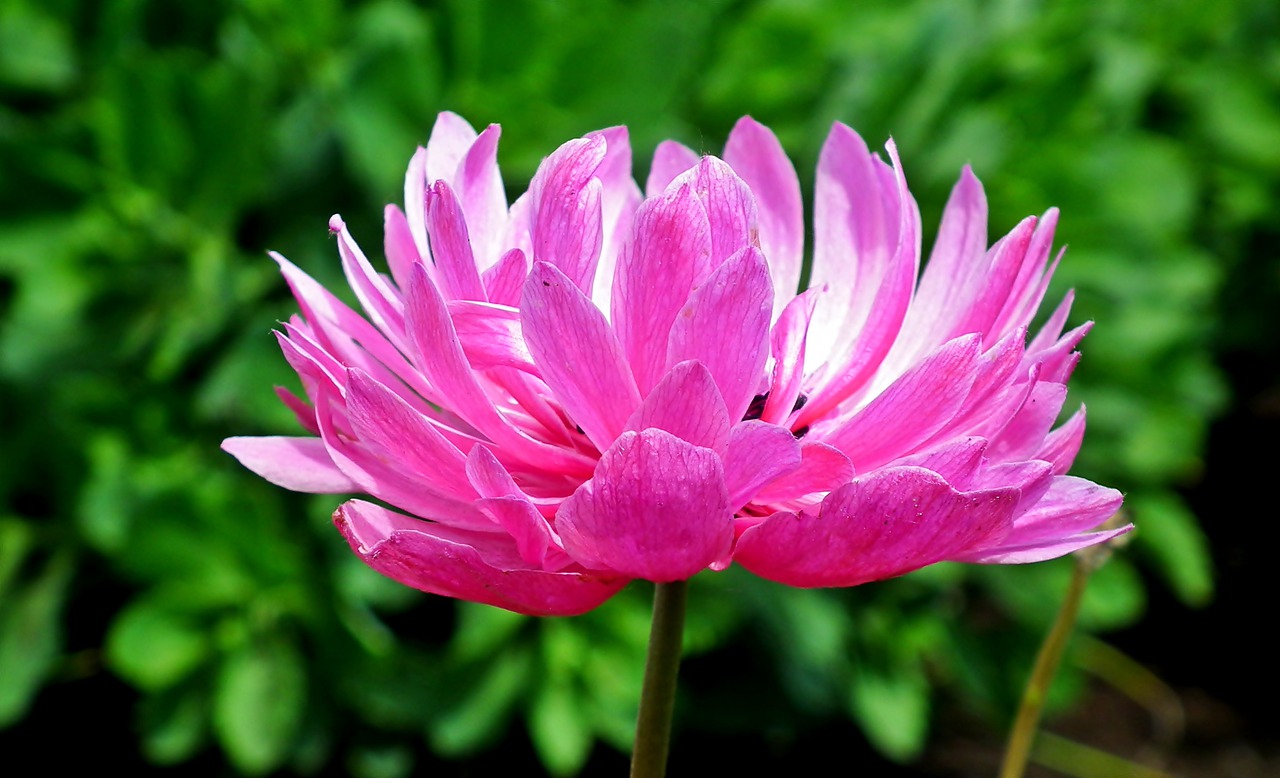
(725, 326)
(451, 246)
(757, 454)
(566, 222)
(296, 464)
(480, 567)
(687, 404)
(656, 509)
(881, 525)
(578, 354)
(655, 274)
(755, 154)
(670, 159)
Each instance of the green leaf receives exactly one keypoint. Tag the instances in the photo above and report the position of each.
(559, 728)
(893, 709)
(154, 646)
(259, 704)
(1168, 533)
(489, 696)
(174, 725)
(31, 637)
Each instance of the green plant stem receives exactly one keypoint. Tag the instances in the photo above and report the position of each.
(661, 667)
(1028, 719)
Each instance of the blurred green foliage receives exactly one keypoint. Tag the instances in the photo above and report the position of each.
(150, 152)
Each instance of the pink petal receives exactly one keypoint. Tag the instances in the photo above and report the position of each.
(730, 206)
(655, 274)
(757, 454)
(451, 246)
(566, 222)
(753, 151)
(867, 252)
(397, 244)
(619, 200)
(379, 300)
(725, 326)
(687, 404)
(670, 159)
(908, 413)
(296, 464)
(387, 424)
(788, 344)
(451, 137)
(490, 335)
(440, 356)
(479, 567)
(1061, 445)
(415, 202)
(578, 354)
(478, 184)
(504, 280)
(656, 509)
(1042, 550)
(879, 526)
(822, 469)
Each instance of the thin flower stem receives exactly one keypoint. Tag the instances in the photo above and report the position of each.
(1028, 720)
(658, 697)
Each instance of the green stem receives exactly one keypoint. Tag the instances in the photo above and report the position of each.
(658, 697)
(1028, 719)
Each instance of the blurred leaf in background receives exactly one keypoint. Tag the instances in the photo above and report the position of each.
(151, 152)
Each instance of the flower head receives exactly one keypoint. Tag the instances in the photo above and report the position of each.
(593, 385)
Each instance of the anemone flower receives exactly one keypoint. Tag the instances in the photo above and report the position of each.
(594, 384)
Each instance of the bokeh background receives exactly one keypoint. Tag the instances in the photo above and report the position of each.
(164, 611)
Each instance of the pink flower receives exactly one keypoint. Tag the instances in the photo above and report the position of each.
(594, 385)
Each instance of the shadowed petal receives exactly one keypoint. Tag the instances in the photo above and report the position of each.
(758, 453)
(480, 567)
(656, 509)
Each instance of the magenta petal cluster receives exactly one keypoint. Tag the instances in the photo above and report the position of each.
(595, 383)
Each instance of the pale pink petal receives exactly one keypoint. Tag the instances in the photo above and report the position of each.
(398, 245)
(415, 202)
(386, 423)
(472, 566)
(867, 253)
(386, 481)
(1061, 445)
(881, 525)
(687, 404)
(578, 354)
(478, 184)
(379, 300)
(296, 464)
(1026, 431)
(788, 345)
(725, 326)
(655, 274)
(656, 509)
(753, 151)
(619, 200)
(1043, 550)
(670, 159)
(451, 138)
